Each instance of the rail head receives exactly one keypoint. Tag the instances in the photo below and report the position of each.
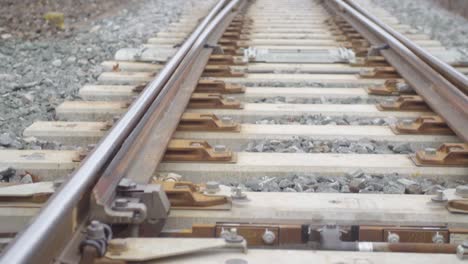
(446, 99)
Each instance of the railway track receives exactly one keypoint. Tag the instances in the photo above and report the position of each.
(302, 130)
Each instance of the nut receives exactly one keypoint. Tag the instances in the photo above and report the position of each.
(438, 238)
(219, 148)
(393, 238)
(439, 197)
(430, 151)
(268, 237)
(227, 120)
(212, 187)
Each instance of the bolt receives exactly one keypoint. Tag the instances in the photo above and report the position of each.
(126, 183)
(438, 238)
(219, 148)
(407, 122)
(430, 151)
(462, 250)
(462, 191)
(121, 202)
(95, 230)
(212, 187)
(393, 238)
(227, 120)
(238, 194)
(402, 86)
(195, 144)
(268, 237)
(439, 197)
(231, 236)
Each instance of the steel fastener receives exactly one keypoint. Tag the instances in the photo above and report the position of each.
(393, 238)
(430, 151)
(407, 122)
(462, 250)
(438, 238)
(268, 237)
(231, 236)
(227, 120)
(212, 187)
(238, 194)
(439, 197)
(219, 148)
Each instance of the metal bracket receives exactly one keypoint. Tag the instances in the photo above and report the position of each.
(380, 73)
(207, 122)
(217, 86)
(221, 71)
(213, 100)
(256, 234)
(423, 125)
(391, 87)
(187, 195)
(404, 103)
(144, 207)
(197, 150)
(448, 154)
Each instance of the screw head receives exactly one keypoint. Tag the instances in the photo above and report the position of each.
(268, 237)
(461, 252)
(430, 151)
(227, 120)
(238, 194)
(219, 148)
(438, 238)
(95, 230)
(393, 238)
(212, 186)
(195, 144)
(402, 86)
(439, 197)
(407, 122)
(231, 236)
(126, 183)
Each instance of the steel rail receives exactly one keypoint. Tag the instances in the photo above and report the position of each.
(39, 242)
(451, 74)
(145, 147)
(438, 92)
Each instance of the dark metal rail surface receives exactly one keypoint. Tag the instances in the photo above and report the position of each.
(443, 89)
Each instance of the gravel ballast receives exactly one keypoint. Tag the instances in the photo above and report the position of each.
(355, 182)
(44, 66)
